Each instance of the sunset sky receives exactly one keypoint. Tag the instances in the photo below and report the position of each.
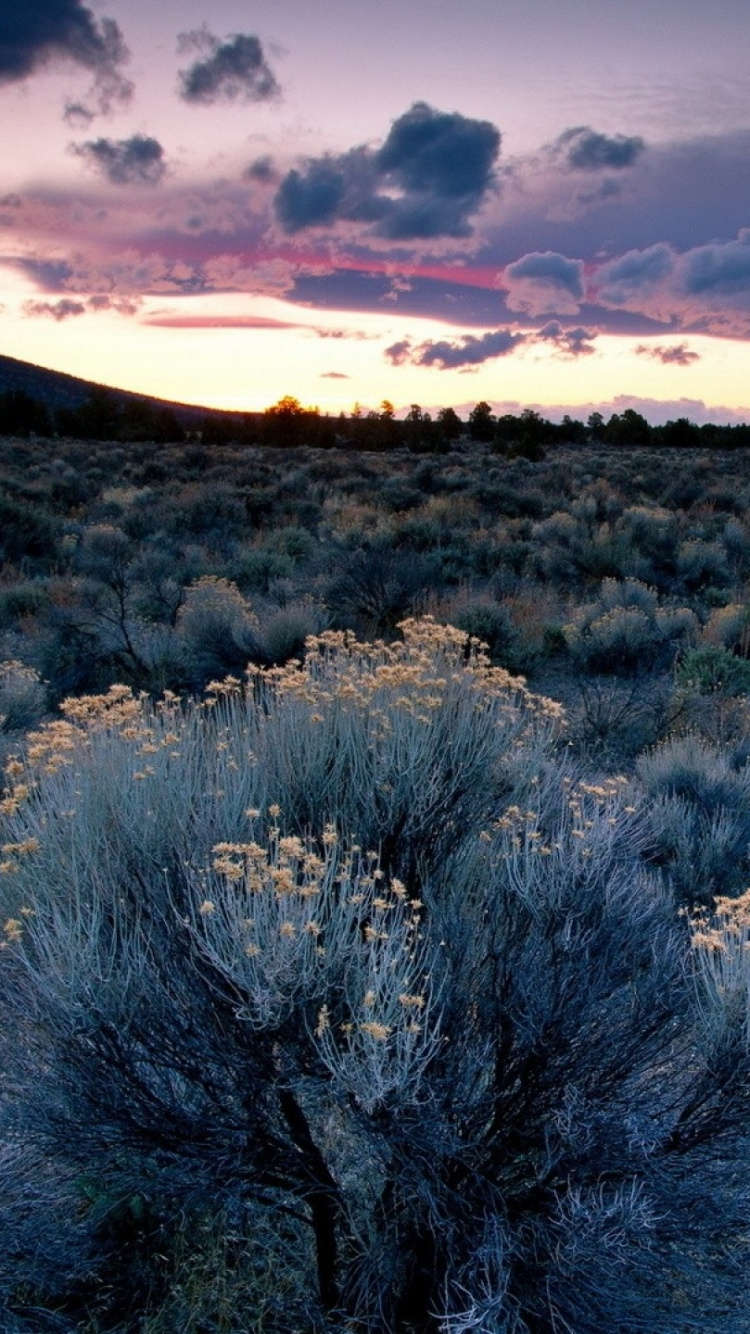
(531, 203)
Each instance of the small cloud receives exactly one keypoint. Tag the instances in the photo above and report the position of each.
(262, 171)
(77, 115)
(350, 335)
(67, 307)
(569, 342)
(399, 354)
(587, 150)
(63, 309)
(235, 69)
(545, 283)
(470, 350)
(334, 375)
(135, 161)
(678, 354)
(122, 305)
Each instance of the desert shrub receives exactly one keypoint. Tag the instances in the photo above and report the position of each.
(611, 720)
(711, 687)
(285, 631)
(651, 536)
(254, 569)
(729, 627)
(158, 579)
(699, 816)
(483, 1096)
(23, 697)
(710, 669)
(217, 628)
(28, 534)
(627, 629)
(703, 565)
(377, 589)
(21, 600)
(489, 622)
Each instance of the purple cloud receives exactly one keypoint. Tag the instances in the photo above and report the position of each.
(235, 69)
(545, 284)
(569, 342)
(63, 309)
(430, 176)
(719, 268)
(135, 161)
(679, 354)
(587, 150)
(35, 35)
(468, 351)
(635, 272)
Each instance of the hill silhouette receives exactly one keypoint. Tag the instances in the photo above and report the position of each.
(55, 390)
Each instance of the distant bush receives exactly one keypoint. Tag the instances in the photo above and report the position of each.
(23, 697)
(699, 816)
(285, 631)
(703, 565)
(709, 669)
(627, 629)
(217, 628)
(729, 627)
(28, 535)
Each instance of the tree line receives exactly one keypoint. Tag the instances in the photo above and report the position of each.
(107, 415)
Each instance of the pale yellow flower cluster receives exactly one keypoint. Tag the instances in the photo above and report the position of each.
(412, 676)
(726, 929)
(331, 893)
(721, 941)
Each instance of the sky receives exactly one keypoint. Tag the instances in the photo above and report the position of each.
(535, 204)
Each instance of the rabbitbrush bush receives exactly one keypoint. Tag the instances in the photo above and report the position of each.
(338, 1003)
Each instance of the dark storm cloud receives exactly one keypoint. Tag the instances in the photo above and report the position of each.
(135, 161)
(678, 355)
(426, 181)
(226, 71)
(39, 32)
(587, 150)
(570, 342)
(310, 199)
(435, 153)
(470, 350)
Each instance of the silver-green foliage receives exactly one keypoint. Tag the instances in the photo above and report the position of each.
(347, 952)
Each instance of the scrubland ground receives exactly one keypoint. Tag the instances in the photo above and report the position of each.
(375, 847)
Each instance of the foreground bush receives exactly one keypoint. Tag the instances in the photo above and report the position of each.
(347, 961)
